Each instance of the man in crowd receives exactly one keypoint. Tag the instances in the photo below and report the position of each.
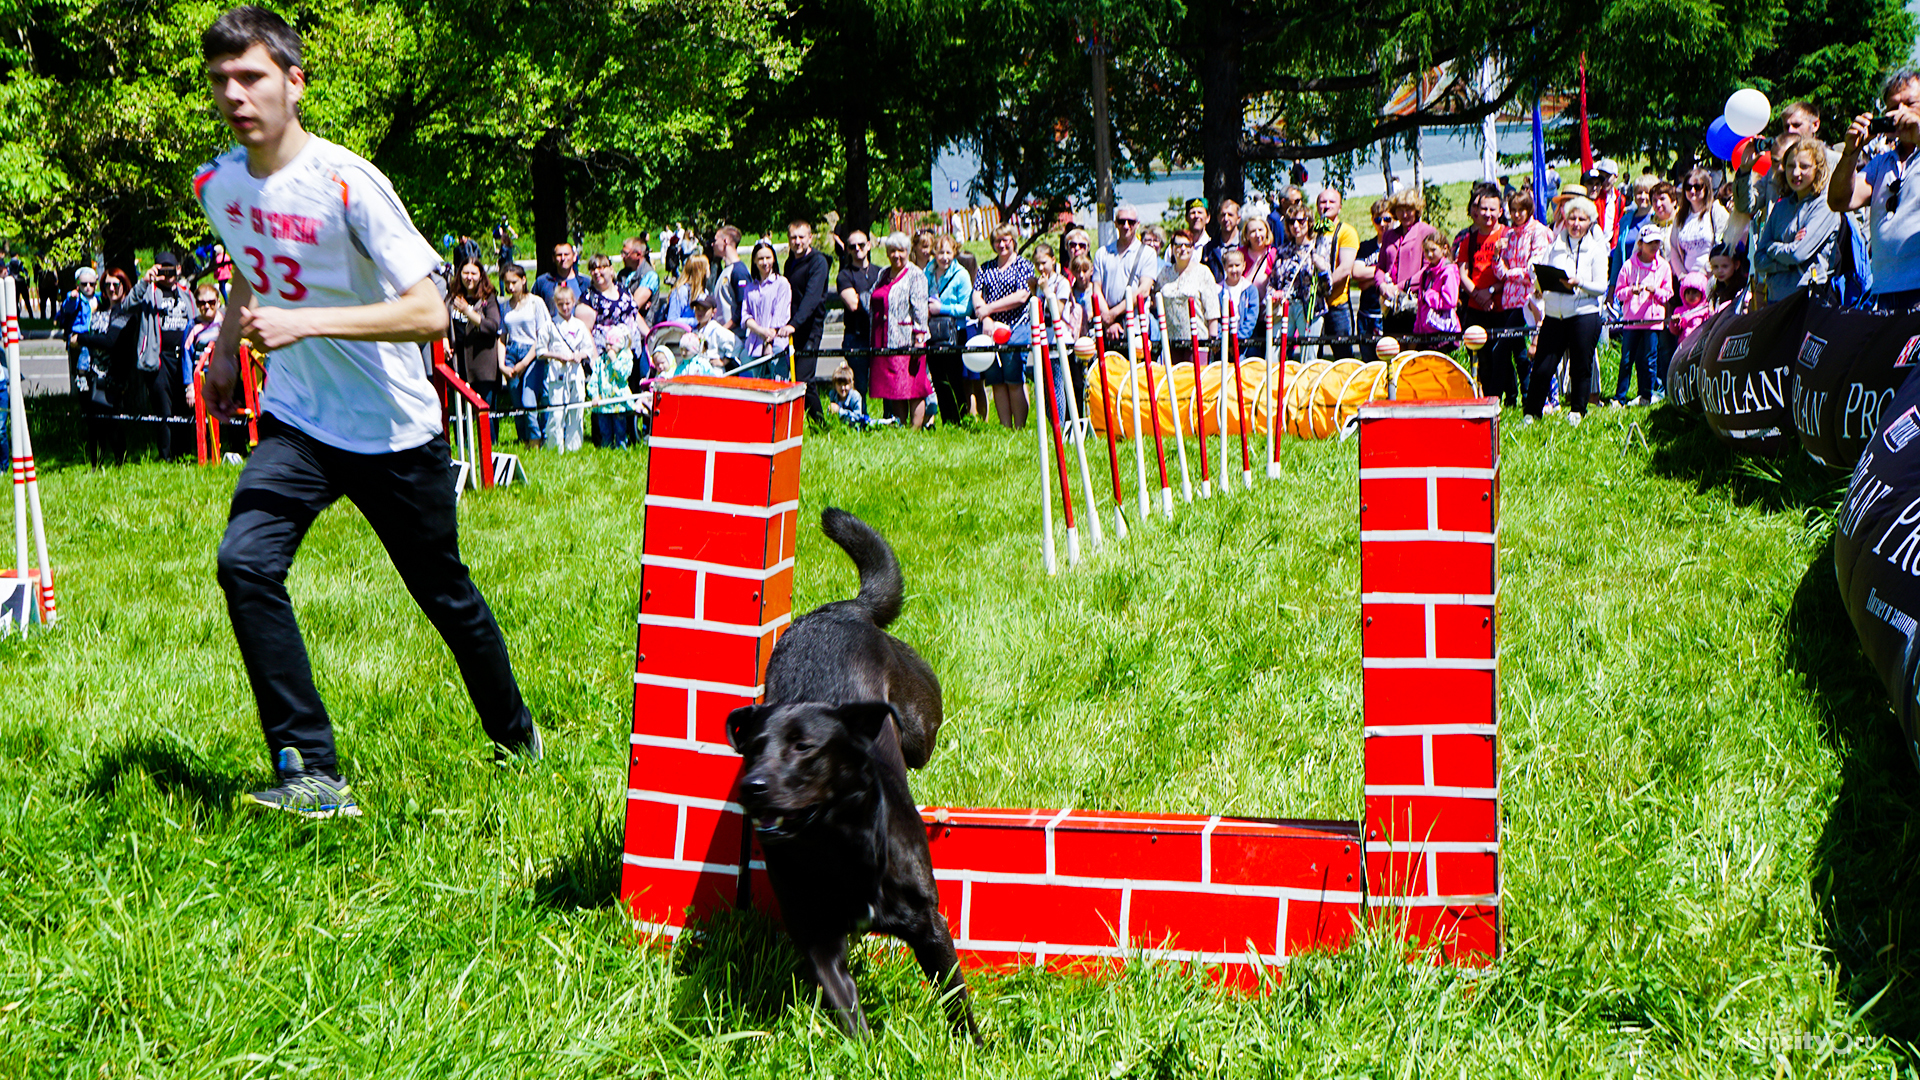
(637, 277)
(1893, 218)
(564, 258)
(1123, 270)
(1224, 239)
(809, 273)
(345, 291)
(1607, 198)
(729, 274)
(1197, 219)
(162, 308)
(1336, 246)
(858, 276)
(1477, 253)
(76, 317)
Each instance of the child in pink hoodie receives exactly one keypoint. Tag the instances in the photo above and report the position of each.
(1694, 307)
(1642, 292)
(1439, 297)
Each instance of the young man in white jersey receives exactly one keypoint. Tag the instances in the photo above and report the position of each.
(335, 283)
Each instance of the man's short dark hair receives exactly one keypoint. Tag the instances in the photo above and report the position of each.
(241, 28)
(799, 224)
(1483, 190)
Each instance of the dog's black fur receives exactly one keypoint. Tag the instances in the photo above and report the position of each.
(849, 708)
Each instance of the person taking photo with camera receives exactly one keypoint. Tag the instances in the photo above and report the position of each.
(1893, 216)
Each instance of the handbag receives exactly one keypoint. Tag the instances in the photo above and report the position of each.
(943, 332)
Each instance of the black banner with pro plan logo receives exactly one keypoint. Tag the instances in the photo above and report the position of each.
(1847, 370)
(1876, 553)
(1738, 370)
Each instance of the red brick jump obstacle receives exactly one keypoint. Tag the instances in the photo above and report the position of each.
(1078, 888)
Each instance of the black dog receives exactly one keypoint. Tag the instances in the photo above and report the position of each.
(849, 708)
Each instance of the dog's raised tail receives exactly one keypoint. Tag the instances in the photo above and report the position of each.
(881, 590)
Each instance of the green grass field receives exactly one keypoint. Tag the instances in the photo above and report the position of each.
(1709, 853)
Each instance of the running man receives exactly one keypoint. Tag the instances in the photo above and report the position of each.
(335, 282)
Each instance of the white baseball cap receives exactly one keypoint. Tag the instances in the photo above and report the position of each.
(1606, 165)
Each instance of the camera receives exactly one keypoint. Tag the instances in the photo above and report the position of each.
(1880, 125)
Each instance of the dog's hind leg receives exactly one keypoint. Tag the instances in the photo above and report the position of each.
(932, 945)
(829, 960)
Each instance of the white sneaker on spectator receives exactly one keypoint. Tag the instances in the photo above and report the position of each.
(1640, 402)
(1526, 421)
(1573, 419)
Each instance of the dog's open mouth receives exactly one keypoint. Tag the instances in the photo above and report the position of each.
(783, 825)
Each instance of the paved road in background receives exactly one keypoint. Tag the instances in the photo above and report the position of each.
(45, 364)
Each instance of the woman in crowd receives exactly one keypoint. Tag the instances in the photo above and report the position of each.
(900, 381)
(693, 286)
(1000, 295)
(1256, 239)
(1403, 259)
(1639, 212)
(949, 297)
(1293, 274)
(1366, 274)
(1572, 324)
(200, 336)
(923, 248)
(475, 333)
(1796, 246)
(1507, 367)
(1700, 225)
(528, 326)
(765, 308)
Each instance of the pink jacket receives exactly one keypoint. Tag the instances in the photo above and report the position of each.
(1648, 309)
(1520, 249)
(1688, 317)
(1439, 298)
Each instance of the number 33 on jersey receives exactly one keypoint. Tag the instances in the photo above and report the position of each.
(324, 231)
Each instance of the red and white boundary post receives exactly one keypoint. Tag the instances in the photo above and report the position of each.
(1062, 888)
(39, 597)
(1429, 585)
(716, 589)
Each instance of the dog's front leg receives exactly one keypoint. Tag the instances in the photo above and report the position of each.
(829, 959)
(932, 945)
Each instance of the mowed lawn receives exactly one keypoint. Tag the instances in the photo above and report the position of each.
(1709, 857)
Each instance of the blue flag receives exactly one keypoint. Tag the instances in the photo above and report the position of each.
(1540, 170)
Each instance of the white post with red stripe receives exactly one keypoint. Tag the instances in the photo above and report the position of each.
(26, 484)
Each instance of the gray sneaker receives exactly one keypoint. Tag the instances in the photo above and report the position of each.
(309, 793)
(530, 752)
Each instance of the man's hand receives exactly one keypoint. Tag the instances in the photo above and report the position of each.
(222, 384)
(270, 328)
(1857, 133)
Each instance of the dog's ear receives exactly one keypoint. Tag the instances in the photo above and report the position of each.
(745, 724)
(864, 718)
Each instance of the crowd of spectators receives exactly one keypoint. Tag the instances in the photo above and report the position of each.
(1643, 261)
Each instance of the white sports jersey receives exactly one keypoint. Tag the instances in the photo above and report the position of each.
(327, 230)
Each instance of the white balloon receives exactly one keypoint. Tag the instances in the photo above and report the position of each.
(1747, 112)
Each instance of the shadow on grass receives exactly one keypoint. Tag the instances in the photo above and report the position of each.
(174, 770)
(1868, 860)
(738, 969)
(588, 876)
(1685, 448)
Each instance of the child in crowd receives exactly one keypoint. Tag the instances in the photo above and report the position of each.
(1643, 291)
(569, 350)
(1695, 306)
(1438, 310)
(607, 377)
(1729, 268)
(1246, 299)
(716, 340)
(843, 401)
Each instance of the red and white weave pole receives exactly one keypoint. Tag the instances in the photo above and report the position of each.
(1153, 411)
(1049, 420)
(1199, 406)
(1134, 354)
(1173, 397)
(1106, 408)
(1040, 430)
(1231, 323)
(1064, 344)
(1277, 362)
(26, 481)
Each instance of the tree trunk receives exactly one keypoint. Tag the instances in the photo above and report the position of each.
(549, 176)
(1220, 108)
(857, 191)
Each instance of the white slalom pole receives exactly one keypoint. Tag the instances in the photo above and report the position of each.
(1139, 433)
(1063, 346)
(1266, 375)
(49, 609)
(1173, 394)
(17, 415)
(1040, 429)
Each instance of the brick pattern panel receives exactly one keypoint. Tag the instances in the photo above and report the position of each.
(716, 589)
(1429, 582)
